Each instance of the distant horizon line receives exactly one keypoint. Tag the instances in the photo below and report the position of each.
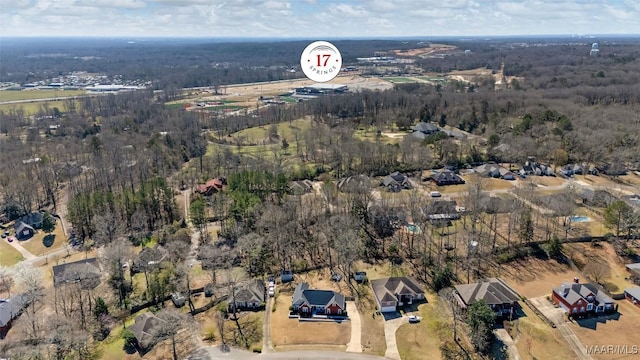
(390, 37)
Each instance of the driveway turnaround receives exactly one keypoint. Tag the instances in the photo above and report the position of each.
(355, 344)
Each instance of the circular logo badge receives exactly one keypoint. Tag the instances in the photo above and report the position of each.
(321, 61)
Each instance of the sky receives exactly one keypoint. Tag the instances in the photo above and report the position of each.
(320, 19)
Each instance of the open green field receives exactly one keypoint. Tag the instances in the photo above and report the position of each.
(33, 108)
(38, 94)
(224, 107)
(434, 79)
(286, 130)
(8, 255)
(399, 80)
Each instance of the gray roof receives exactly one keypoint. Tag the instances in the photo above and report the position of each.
(386, 289)
(581, 291)
(635, 292)
(635, 268)
(354, 183)
(33, 219)
(250, 291)
(86, 271)
(21, 226)
(493, 292)
(302, 294)
(11, 308)
(426, 127)
(146, 328)
(148, 257)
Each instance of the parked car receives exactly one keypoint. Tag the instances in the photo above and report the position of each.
(4, 235)
(359, 276)
(10, 238)
(414, 319)
(272, 290)
(435, 194)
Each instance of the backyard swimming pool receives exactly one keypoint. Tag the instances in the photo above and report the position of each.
(413, 228)
(579, 219)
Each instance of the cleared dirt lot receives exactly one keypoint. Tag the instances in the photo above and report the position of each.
(535, 277)
(285, 331)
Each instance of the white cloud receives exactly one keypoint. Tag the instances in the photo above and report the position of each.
(312, 18)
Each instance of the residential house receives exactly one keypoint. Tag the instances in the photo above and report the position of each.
(581, 299)
(86, 272)
(634, 269)
(532, 167)
(33, 219)
(393, 292)
(573, 169)
(146, 329)
(613, 169)
(446, 177)
(310, 301)
(441, 210)
(178, 299)
(354, 184)
(495, 171)
(396, 181)
(422, 130)
(148, 259)
(249, 295)
(494, 292)
(23, 230)
(633, 295)
(10, 309)
(211, 186)
(301, 187)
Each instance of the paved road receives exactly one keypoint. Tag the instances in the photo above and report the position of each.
(355, 344)
(506, 339)
(214, 353)
(267, 344)
(390, 328)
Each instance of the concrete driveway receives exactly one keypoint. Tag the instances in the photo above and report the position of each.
(556, 314)
(392, 322)
(355, 344)
(267, 344)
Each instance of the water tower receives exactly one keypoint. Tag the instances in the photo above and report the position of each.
(595, 50)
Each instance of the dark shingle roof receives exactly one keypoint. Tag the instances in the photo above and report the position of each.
(581, 291)
(146, 328)
(493, 291)
(249, 292)
(11, 308)
(302, 293)
(86, 271)
(426, 127)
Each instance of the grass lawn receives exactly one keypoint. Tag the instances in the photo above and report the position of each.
(399, 80)
(33, 108)
(8, 255)
(251, 324)
(38, 94)
(42, 243)
(286, 130)
(612, 271)
(285, 331)
(537, 340)
(428, 78)
(422, 340)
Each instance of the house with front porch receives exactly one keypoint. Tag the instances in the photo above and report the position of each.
(393, 292)
(582, 299)
(309, 302)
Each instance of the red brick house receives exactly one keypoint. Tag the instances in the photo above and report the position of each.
(210, 187)
(582, 299)
(311, 302)
(633, 295)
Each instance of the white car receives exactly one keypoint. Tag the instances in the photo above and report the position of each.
(272, 290)
(435, 194)
(414, 319)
